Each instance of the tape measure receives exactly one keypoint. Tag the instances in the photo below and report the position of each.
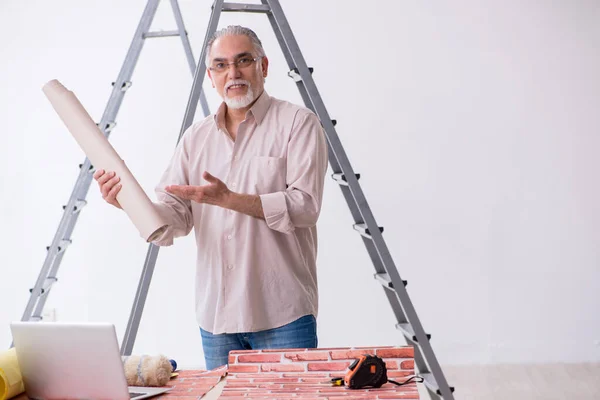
(368, 371)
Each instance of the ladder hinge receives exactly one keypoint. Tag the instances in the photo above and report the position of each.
(363, 230)
(340, 178)
(295, 74)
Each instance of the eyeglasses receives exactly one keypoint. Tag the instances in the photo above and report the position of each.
(241, 63)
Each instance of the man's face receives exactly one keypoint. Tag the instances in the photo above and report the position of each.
(238, 85)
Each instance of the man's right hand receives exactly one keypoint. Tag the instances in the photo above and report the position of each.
(109, 186)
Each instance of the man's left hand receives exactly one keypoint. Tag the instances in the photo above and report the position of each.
(215, 193)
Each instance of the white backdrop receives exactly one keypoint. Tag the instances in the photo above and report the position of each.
(474, 125)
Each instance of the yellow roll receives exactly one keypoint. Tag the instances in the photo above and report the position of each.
(11, 381)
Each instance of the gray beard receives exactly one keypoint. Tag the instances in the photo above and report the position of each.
(240, 101)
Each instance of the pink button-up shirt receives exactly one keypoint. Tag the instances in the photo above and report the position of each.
(252, 274)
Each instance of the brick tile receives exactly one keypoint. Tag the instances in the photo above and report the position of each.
(350, 354)
(308, 356)
(409, 364)
(283, 367)
(243, 368)
(402, 352)
(328, 366)
(259, 358)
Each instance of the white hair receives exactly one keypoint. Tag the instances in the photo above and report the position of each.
(232, 30)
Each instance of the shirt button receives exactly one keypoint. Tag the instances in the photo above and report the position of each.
(229, 237)
(233, 184)
(230, 266)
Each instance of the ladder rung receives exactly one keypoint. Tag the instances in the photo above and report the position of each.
(109, 127)
(241, 7)
(363, 230)
(124, 86)
(385, 280)
(79, 204)
(429, 381)
(62, 245)
(91, 169)
(408, 331)
(295, 74)
(47, 283)
(341, 178)
(160, 34)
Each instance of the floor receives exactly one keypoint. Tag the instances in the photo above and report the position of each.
(524, 382)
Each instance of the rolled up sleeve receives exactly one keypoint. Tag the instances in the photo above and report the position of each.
(299, 205)
(176, 211)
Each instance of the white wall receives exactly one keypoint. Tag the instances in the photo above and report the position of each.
(475, 127)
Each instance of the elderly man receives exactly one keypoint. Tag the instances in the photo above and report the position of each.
(249, 180)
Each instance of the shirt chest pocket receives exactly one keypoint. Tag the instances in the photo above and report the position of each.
(267, 174)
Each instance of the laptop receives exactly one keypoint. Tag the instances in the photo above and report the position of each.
(61, 360)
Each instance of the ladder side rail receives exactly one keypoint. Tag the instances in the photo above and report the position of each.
(153, 250)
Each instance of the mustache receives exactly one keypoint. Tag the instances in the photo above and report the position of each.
(236, 82)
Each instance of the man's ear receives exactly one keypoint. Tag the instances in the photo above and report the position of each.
(265, 66)
(210, 77)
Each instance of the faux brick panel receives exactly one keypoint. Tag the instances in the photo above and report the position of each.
(410, 364)
(302, 374)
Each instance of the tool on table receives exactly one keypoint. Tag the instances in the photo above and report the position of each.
(368, 371)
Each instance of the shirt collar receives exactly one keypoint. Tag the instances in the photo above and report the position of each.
(258, 110)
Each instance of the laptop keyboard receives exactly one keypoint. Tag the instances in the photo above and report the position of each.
(132, 394)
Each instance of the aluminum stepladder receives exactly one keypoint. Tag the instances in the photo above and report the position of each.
(62, 237)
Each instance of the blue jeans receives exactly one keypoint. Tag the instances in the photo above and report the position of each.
(301, 333)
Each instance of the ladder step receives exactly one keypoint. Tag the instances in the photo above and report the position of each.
(408, 331)
(241, 7)
(51, 280)
(79, 204)
(160, 34)
(429, 382)
(363, 230)
(385, 280)
(91, 170)
(295, 74)
(124, 86)
(62, 245)
(341, 178)
(108, 127)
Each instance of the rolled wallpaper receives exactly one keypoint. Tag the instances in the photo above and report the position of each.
(11, 381)
(134, 201)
